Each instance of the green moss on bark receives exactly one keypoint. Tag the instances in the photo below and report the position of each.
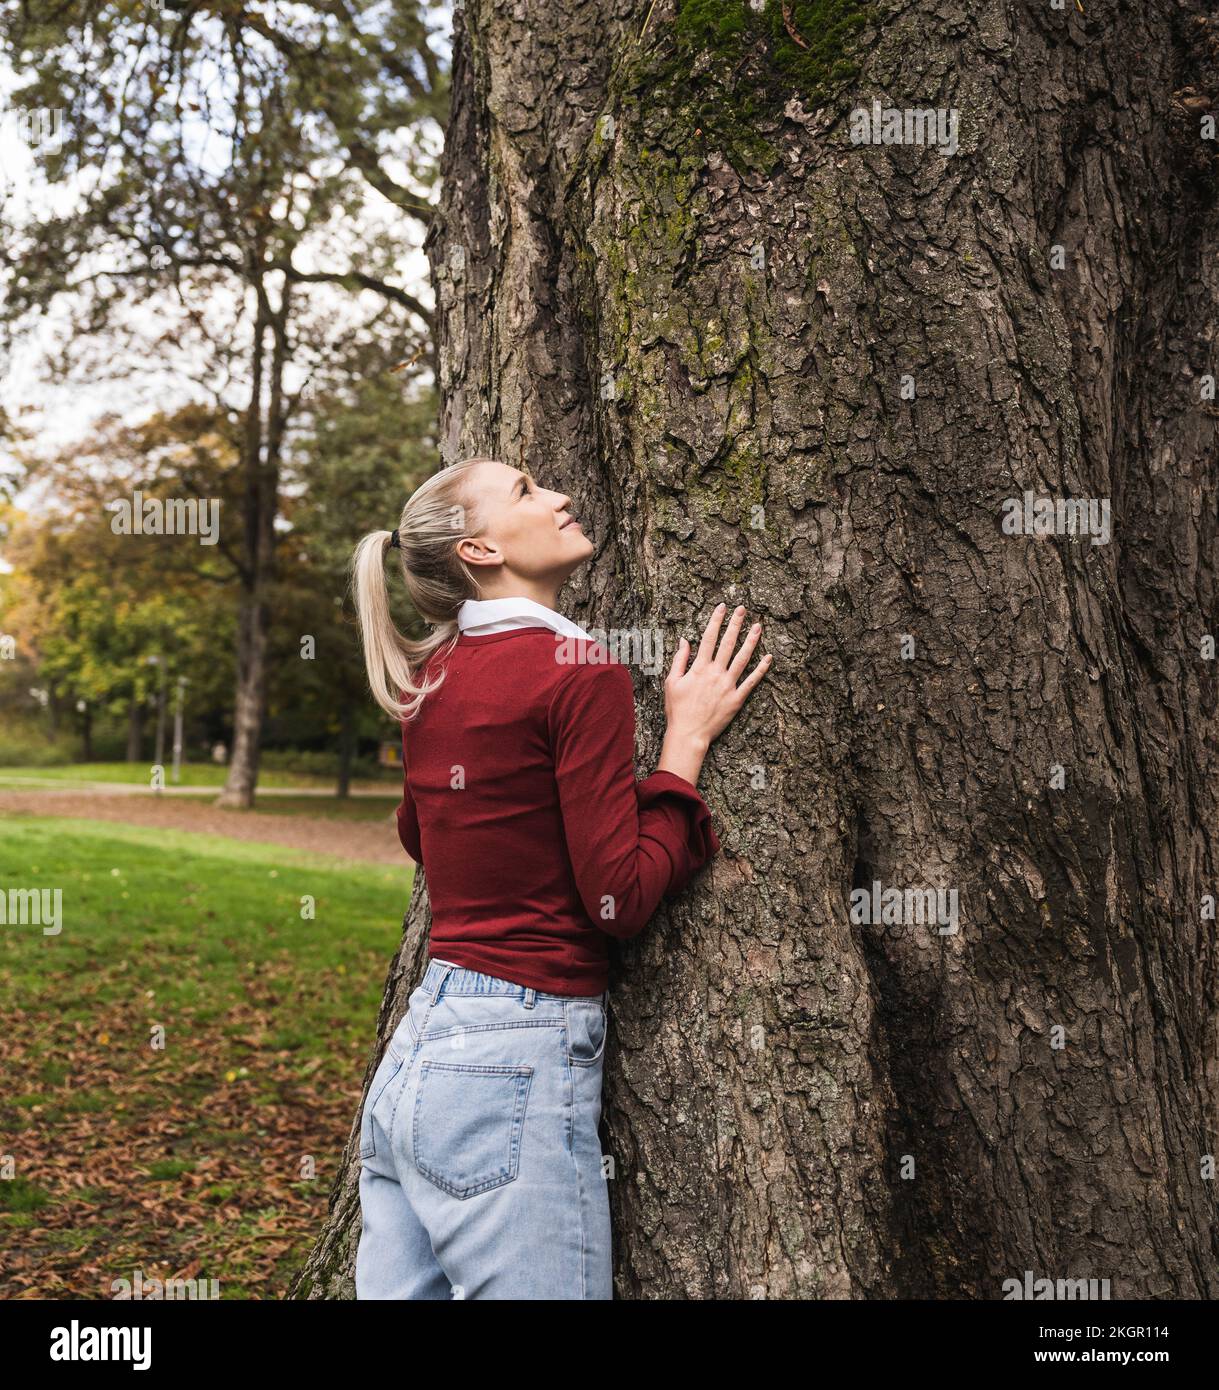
(810, 45)
(725, 71)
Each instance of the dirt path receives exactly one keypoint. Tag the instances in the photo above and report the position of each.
(369, 842)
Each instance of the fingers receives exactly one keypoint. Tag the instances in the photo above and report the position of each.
(741, 660)
(728, 642)
(707, 645)
(678, 667)
(754, 677)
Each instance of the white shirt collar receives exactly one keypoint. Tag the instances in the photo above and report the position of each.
(481, 616)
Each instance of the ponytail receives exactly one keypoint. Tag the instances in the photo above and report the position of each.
(437, 515)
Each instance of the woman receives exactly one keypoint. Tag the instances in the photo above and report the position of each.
(481, 1168)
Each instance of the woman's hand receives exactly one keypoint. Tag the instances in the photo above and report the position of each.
(701, 702)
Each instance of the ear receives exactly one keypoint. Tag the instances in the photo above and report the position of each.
(474, 551)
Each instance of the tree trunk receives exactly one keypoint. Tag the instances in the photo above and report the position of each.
(135, 732)
(776, 366)
(86, 733)
(347, 748)
(257, 570)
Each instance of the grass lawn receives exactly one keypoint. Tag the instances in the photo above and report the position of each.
(180, 1065)
(193, 775)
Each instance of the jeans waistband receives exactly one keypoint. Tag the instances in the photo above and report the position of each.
(456, 979)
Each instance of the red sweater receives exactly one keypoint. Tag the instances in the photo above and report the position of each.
(520, 801)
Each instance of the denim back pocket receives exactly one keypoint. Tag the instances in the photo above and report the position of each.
(390, 1066)
(586, 1030)
(466, 1134)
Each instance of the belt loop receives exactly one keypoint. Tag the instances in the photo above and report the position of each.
(449, 967)
(530, 997)
(434, 995)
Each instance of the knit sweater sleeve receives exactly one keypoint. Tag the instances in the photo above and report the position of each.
(630, 843)
(408, 819)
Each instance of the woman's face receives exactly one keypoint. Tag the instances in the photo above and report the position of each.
(528, 531)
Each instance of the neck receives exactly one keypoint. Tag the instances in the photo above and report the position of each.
(539, 590)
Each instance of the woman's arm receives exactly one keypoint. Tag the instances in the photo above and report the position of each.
(682, 754)
(630, 844)
(626, 855)
(408, 818)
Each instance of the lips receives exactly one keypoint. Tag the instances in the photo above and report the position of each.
(571, 521)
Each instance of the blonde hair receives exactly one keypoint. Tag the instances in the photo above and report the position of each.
(437, 515)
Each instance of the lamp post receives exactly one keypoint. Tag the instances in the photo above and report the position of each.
(159, 662)
(179, 699)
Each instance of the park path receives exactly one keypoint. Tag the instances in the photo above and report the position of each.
(364, 841)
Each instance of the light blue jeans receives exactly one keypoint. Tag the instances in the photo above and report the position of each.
(481, 1171)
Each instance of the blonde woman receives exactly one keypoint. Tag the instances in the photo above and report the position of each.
(481, 1172)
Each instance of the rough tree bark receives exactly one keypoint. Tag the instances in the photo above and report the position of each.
(799, 1105)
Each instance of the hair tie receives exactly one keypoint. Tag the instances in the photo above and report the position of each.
(393, 542)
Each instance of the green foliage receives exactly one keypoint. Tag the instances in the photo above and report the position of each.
(90, 606)
(31, 748)
(369, 448)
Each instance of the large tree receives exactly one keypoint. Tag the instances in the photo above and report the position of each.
(778, 365)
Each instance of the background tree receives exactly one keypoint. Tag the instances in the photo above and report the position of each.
(92, 604)
(223, 162)
(370, 448)
(774, 365)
